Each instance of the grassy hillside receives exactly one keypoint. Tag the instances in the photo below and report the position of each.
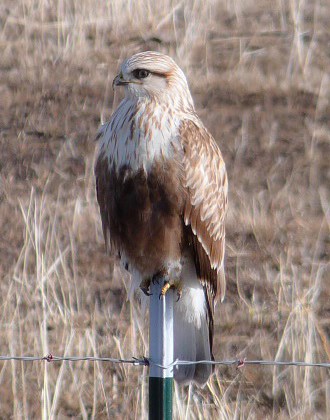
(259, 74)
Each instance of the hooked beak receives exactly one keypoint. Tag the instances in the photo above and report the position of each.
(119, 81)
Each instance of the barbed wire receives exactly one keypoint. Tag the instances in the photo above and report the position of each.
(144, 361)
(52, 358)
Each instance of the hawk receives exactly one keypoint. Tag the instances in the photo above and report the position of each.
(162, 190)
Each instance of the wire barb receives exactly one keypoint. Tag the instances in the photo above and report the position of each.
(240, 363)
(48, 358)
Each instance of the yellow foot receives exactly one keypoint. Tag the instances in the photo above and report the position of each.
(176, 286)
(145, 286)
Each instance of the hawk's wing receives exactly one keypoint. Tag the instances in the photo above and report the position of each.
(103, 194)
(205, 180)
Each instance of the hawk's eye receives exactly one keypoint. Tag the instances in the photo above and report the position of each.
(141, 73)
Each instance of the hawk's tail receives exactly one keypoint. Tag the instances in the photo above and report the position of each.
(192, 333)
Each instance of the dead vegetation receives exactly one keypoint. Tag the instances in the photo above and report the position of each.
(259, 73)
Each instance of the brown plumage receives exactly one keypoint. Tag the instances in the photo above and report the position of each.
(162, 190)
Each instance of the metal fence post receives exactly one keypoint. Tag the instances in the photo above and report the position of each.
(161, 353)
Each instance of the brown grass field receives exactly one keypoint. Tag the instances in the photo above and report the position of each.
(259, 74)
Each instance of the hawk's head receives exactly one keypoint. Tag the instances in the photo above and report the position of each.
(154, 75)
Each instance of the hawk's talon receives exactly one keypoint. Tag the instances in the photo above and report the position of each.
(145, 286)
(145, 291)
(178, 293)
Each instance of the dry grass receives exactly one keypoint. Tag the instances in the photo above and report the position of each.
(259, 73)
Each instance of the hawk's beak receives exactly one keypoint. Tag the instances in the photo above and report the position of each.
(119, 81)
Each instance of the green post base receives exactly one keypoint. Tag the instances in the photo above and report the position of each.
(160, 398)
